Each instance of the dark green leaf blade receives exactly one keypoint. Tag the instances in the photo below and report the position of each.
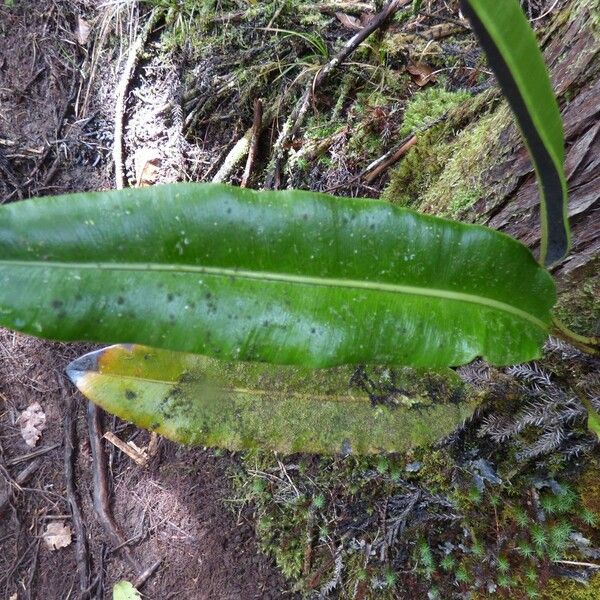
(197, 400)
(287, 277)
(513, 53)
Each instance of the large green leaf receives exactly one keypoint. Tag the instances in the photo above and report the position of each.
(198, 400)
(513, 53)
(286, 277)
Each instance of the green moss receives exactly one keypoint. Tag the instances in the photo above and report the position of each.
(319, 127)
(578, 306)
(419, 170)
(559, 589)
(589, 489)
(287, 543)
(428, 105)
(443, 173)
(592, 8)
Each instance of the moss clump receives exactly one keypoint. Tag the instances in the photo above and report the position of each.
(558, 589)
(589, 488)
(592, 8)
(443, 174)
(419, 170)
(460, 183)
(427, 106)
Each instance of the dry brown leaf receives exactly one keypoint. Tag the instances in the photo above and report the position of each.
(82, 31)
(57, 535)
(32, 422)
(422, 73)
(147, 162)
(348, 21)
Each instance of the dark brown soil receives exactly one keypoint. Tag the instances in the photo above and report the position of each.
(55, 138)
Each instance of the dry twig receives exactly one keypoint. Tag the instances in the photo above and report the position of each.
(296, 118)
(375, 169)
(21, 479)
(135, 51)
(31, 455)
(256, 128)
(132, 451)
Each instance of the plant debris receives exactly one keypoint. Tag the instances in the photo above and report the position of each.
(57, 535)
(32, 422)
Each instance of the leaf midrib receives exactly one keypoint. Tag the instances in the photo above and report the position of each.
(375, 286)
(245, 391)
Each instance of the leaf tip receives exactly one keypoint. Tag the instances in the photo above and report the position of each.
(78, 368)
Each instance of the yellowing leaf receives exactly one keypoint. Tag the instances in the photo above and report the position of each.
(198, 400)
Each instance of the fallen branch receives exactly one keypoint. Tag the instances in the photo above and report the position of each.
(575, 563)
(81, 547)
(376, 168)
(330, 8)
(389, 10)
(235, 155)
(256, 128)
(145, 575)
(132, 451)
(135, 51)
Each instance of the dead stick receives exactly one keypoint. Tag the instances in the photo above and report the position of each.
(256, 127)
(355, 8)
(100, 484)
(576, 563)
(24, 457)
(81, 546)
(124, 447)
(390, 159)
(21, 479)
(143, 577)
(135, 51)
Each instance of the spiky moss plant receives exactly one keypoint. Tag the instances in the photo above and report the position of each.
(505, 535)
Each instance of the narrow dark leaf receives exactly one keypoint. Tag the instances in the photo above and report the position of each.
(513, 53)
